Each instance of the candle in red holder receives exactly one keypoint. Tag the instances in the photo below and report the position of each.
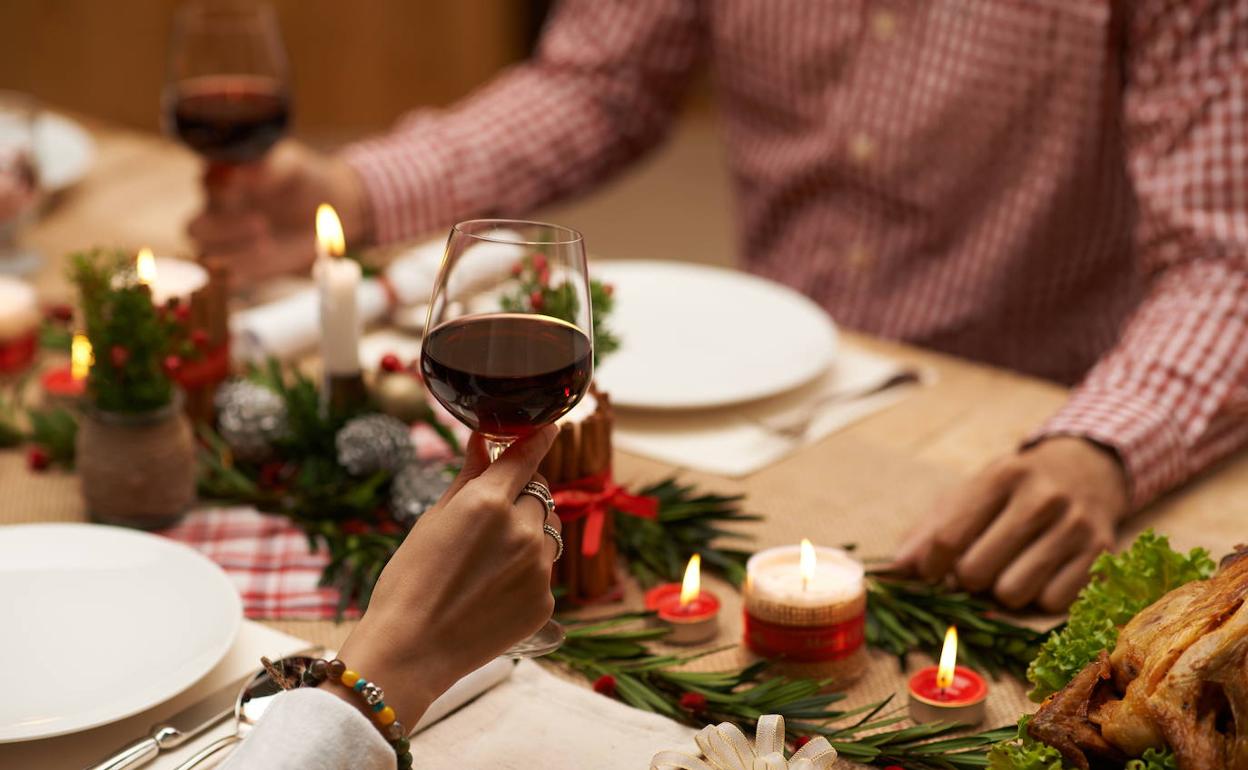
(692, 613)
(805, 610)
(19, 324)
(69, 383)
(948, 692)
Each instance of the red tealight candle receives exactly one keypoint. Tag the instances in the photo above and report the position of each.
(948, 692)
(692, 613)
(69, 383)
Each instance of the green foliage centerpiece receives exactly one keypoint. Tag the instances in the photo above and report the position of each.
(135, 453)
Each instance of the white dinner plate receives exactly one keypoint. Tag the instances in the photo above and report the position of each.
(100, 623)
(696, 337)
(65, 151)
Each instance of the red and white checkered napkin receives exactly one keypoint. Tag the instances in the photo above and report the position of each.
(267, 556)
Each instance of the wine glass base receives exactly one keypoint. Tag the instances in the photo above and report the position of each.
(547, 639)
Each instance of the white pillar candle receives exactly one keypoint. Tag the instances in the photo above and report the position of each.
(169, 278)
(19, 310)
(775, 575)
(338, 282)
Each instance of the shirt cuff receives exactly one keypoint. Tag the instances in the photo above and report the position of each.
(311, 729)
(408, 177)
(1148, 443)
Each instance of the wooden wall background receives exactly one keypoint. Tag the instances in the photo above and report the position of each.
(356, 64)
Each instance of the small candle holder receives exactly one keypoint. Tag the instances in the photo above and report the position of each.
(805, 610)
(691, 613)
(948, 692)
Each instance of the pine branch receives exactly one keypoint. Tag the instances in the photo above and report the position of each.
(614, 652)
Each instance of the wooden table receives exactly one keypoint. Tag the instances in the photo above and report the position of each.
(868, 483)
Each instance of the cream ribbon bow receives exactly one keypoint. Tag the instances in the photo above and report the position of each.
(725, 747)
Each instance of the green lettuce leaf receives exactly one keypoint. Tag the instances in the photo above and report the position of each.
(1026, 753)
(1122, 585)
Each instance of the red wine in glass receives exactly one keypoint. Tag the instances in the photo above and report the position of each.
(507, 374)
(230, 118)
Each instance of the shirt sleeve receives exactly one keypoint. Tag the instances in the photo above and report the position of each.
(310, 729)
(602, 88)
(1171, 397)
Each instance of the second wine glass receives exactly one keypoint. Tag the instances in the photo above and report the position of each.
(508, 356)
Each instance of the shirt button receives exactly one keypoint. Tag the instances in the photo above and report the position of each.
(884, 25)
(861, 147)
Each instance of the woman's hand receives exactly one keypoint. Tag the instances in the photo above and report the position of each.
(260, 217)
(1026, 527)
(471, 579)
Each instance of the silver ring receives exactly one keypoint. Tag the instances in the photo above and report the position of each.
(548, 529)
(542, 492)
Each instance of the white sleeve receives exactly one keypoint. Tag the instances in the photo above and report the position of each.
(310, 729)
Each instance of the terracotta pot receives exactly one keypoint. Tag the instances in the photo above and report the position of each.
(137, 470)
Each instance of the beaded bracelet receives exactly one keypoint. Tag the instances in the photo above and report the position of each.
(391, 728)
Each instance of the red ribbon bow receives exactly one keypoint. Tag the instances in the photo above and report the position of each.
(591, 497)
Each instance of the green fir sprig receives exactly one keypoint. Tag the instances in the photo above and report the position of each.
(689, 522)
(534, 293)
(905, 616)
(615, 654)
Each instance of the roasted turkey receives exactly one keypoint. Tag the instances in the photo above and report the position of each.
(1178, 677)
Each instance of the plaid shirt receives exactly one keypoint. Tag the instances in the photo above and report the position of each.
(1056, 186)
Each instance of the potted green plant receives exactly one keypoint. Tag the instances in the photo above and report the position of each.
(135, 448)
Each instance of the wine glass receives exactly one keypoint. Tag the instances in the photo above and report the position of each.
(19, 180)
(509, 341)
(227, 89)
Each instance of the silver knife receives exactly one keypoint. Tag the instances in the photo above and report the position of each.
(179, 728)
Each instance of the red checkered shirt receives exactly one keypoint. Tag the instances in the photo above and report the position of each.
(1057, 186)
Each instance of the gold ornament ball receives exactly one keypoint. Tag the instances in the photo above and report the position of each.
(401, 395)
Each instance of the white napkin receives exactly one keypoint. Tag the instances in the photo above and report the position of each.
(290, 326)
(738, 440)
(537, 720)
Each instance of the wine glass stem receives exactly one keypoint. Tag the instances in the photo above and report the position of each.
(496, 448)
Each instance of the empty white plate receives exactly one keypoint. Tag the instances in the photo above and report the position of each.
(696, 337)
(103, 622)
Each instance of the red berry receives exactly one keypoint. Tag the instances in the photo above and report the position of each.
(894, 767)
(119, 355)
(388, 527)
(693, 701)
(172, 364)
(182, 312)
(543, 276)
(38, 459)
(391, 363)
(517, 269)
(537, 300)
(354, 527)
(199, 338)
(539, 262)
(800, 741)
(271, 474)
(608, 289)
(61, 313)
(605, 685)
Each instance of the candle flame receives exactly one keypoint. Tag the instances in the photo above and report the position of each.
(807, 563)
(692, 585)
(948, 659)
(329, 231)
(145, 267)
(80, 358)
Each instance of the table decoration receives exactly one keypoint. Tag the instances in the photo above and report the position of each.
(947, 692)
(691, 613)
(805, 610)
(616, 650)
(338, 283)
(134, 449)
(68, 384)
(725, 747)
(170, 280)
(19, 324)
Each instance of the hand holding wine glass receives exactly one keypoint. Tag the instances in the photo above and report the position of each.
(508, 374)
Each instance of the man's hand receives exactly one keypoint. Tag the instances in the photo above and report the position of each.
(260, 217)
(1028, 526)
